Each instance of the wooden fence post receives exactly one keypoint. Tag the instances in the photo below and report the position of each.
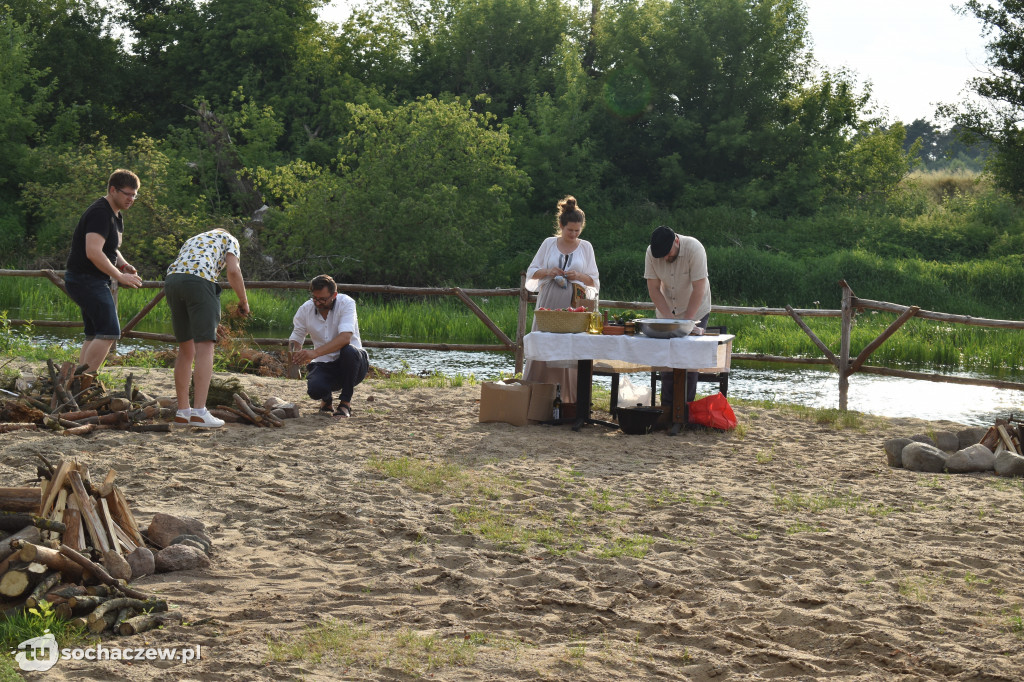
(844, 343)
(524, 297)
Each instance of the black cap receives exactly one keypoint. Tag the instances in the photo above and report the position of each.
(661, 241)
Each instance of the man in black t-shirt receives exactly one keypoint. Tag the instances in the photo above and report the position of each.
(94, 260)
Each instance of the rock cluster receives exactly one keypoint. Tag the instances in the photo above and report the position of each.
(956, 453)
(184, 542)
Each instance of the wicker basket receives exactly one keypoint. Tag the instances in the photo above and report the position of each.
(561, 321)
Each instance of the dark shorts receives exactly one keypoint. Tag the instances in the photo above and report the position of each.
(92, 295)
(195, 307)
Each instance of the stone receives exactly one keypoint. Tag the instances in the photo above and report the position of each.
(1009, 464)
(975, 457)
(894, 451)
(195, 541)
(920, 456)
(971, 436)
(923, 438)
(117, 566)
(164, 528)
(142, 562)
(180, 558)
(946, 441)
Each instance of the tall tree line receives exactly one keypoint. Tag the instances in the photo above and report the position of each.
(420, 141)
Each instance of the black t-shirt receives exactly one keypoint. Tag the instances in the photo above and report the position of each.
(101, 219)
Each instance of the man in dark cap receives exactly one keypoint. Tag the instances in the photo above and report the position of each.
(676, 270)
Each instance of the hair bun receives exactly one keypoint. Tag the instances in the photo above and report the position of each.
(568, 204)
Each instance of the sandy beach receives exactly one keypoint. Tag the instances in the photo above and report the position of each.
(412, 542)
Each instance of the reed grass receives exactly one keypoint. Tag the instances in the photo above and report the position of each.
(918, 344)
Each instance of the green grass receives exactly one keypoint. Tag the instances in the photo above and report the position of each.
(444, 319)
(332, 641)
(35, 622)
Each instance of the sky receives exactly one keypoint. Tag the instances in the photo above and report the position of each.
(915, 53)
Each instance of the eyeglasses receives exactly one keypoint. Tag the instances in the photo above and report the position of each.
(324, 300)
(130, 195)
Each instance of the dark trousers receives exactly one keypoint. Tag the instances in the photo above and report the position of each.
(667, 384)
(343, 374)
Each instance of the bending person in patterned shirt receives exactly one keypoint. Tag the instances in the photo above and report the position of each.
(337, 361)
(194, 298)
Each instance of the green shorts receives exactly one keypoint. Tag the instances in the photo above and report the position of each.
(195, 307)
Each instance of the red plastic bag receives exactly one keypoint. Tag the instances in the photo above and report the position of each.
(714, 411)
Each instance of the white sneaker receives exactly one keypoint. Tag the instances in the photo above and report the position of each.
(205, 421)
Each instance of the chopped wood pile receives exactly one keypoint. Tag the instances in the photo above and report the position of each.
(75, 544)
(1005, 434)
(75, 402)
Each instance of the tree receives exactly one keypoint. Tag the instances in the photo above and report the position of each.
(498, 48)
(422, 195)
(712, 100)
(23, 99)
(998, 121)
(74, 41)
(67, 179)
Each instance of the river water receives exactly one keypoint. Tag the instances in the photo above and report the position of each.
(812, 386)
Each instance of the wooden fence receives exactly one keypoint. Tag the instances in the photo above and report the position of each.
(845, 364)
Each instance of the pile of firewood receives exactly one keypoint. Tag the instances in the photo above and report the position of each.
(1005, 434)
(75, 402)
(76, 545)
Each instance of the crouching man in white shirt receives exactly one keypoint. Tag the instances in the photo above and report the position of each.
(337, 361)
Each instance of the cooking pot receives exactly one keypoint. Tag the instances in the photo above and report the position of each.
(662, 328)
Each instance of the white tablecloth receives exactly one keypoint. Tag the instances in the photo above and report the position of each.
(687, 352)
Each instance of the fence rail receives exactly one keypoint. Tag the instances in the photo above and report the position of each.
(845, 364)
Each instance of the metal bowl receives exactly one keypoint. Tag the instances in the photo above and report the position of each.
(661, 328)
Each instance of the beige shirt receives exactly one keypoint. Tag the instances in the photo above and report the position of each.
(677, 277)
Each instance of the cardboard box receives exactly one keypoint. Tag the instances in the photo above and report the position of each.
(516, 402)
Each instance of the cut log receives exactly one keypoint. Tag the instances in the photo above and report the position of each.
(100, 573)
(57, 516)
(115, 605)
(81, 414)
(122, 514)
(80, 430)
(91, 519)
(101, 591)
(14, 582)
(17, 581)
(55, 485)
(104, 622)
(8, 427)
(148, 621)
(85, 602)
(247, 409)
(1004, 435)
(123, 615)
(72, 535)
(108, 525)
(12, 544)
(18, 520)
(53, 559)
(21, 500)
(45, 585)
(102, 401)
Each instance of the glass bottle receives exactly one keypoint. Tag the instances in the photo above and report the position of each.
(556, 411)
(596, 323)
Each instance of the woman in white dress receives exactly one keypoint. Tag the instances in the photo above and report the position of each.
(564, 265)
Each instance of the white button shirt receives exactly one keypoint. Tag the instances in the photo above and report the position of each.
(341, 318)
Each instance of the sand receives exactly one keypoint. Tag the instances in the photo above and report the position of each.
(430, 546)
